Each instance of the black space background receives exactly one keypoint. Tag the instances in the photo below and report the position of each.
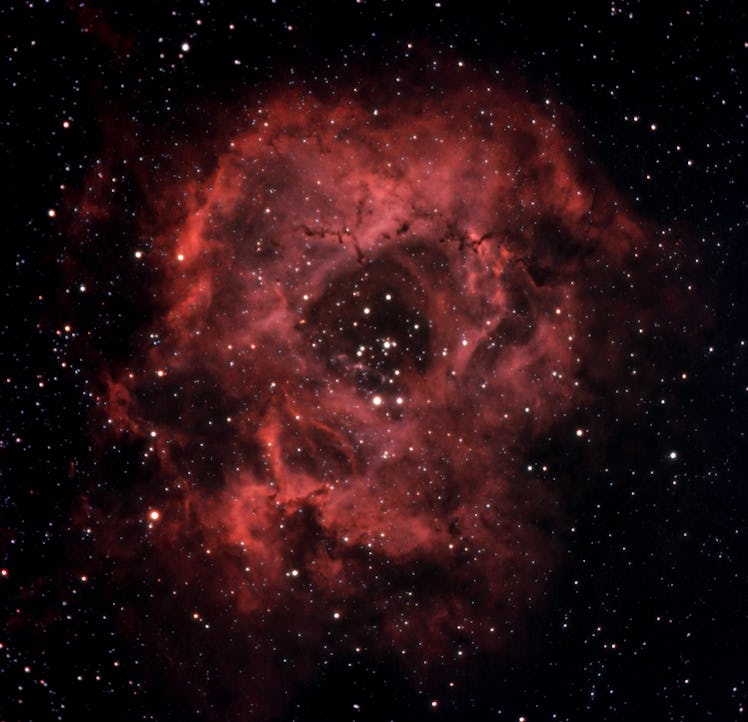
(662, 571)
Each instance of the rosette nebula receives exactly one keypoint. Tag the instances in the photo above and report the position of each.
(380, 322)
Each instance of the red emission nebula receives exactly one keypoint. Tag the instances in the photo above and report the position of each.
(372, 317)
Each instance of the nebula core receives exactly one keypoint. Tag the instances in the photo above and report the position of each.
(374, 313)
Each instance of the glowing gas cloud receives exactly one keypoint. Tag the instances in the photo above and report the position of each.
(374, 313)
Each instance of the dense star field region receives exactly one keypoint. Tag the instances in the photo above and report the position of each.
(373, 361)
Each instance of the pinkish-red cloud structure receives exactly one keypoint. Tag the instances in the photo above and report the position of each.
(372, 312)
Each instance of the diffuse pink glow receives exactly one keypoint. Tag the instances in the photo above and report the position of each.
(369, 321)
